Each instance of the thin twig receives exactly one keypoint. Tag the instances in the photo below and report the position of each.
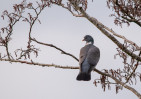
(122, 37)
(132, 19)
(7, 50)
(32, 23)
(136, 65)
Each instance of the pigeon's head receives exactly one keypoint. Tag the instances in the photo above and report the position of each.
(88, 39)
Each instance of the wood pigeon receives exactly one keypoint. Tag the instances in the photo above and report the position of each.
(88, 59)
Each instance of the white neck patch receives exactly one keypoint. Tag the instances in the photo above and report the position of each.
(88, 43)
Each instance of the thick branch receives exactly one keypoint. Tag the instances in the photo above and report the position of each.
(101, 28)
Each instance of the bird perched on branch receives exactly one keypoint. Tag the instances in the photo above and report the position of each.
(88, 59)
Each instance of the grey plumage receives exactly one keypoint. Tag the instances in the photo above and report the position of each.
(88, 59)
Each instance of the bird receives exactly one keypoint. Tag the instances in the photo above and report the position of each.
(88, 58)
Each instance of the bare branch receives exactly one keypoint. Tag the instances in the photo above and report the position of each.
(102, 29)
(72, 67)
(68, 7)
(132, 19)
(122, 37)
(39, 64)
(126, 10)
(121, 83)
(33, 20)
(7, 51)
(136, 65)
(51, 45)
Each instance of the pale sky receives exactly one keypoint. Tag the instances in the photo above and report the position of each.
(59, 27)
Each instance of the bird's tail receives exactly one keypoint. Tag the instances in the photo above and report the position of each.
(84, 76)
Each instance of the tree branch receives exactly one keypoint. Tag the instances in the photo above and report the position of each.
(51, 45)
(7, 50)
(33, 20)
(102, 29)
(136, 65)
(39, 64)
(72, 67)
(68, 8)
(122, 37)
(120, 82)
(110, 30)
(132, 19)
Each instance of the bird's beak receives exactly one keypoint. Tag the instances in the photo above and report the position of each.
(83, 40)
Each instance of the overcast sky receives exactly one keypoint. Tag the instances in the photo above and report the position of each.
(59, 27)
